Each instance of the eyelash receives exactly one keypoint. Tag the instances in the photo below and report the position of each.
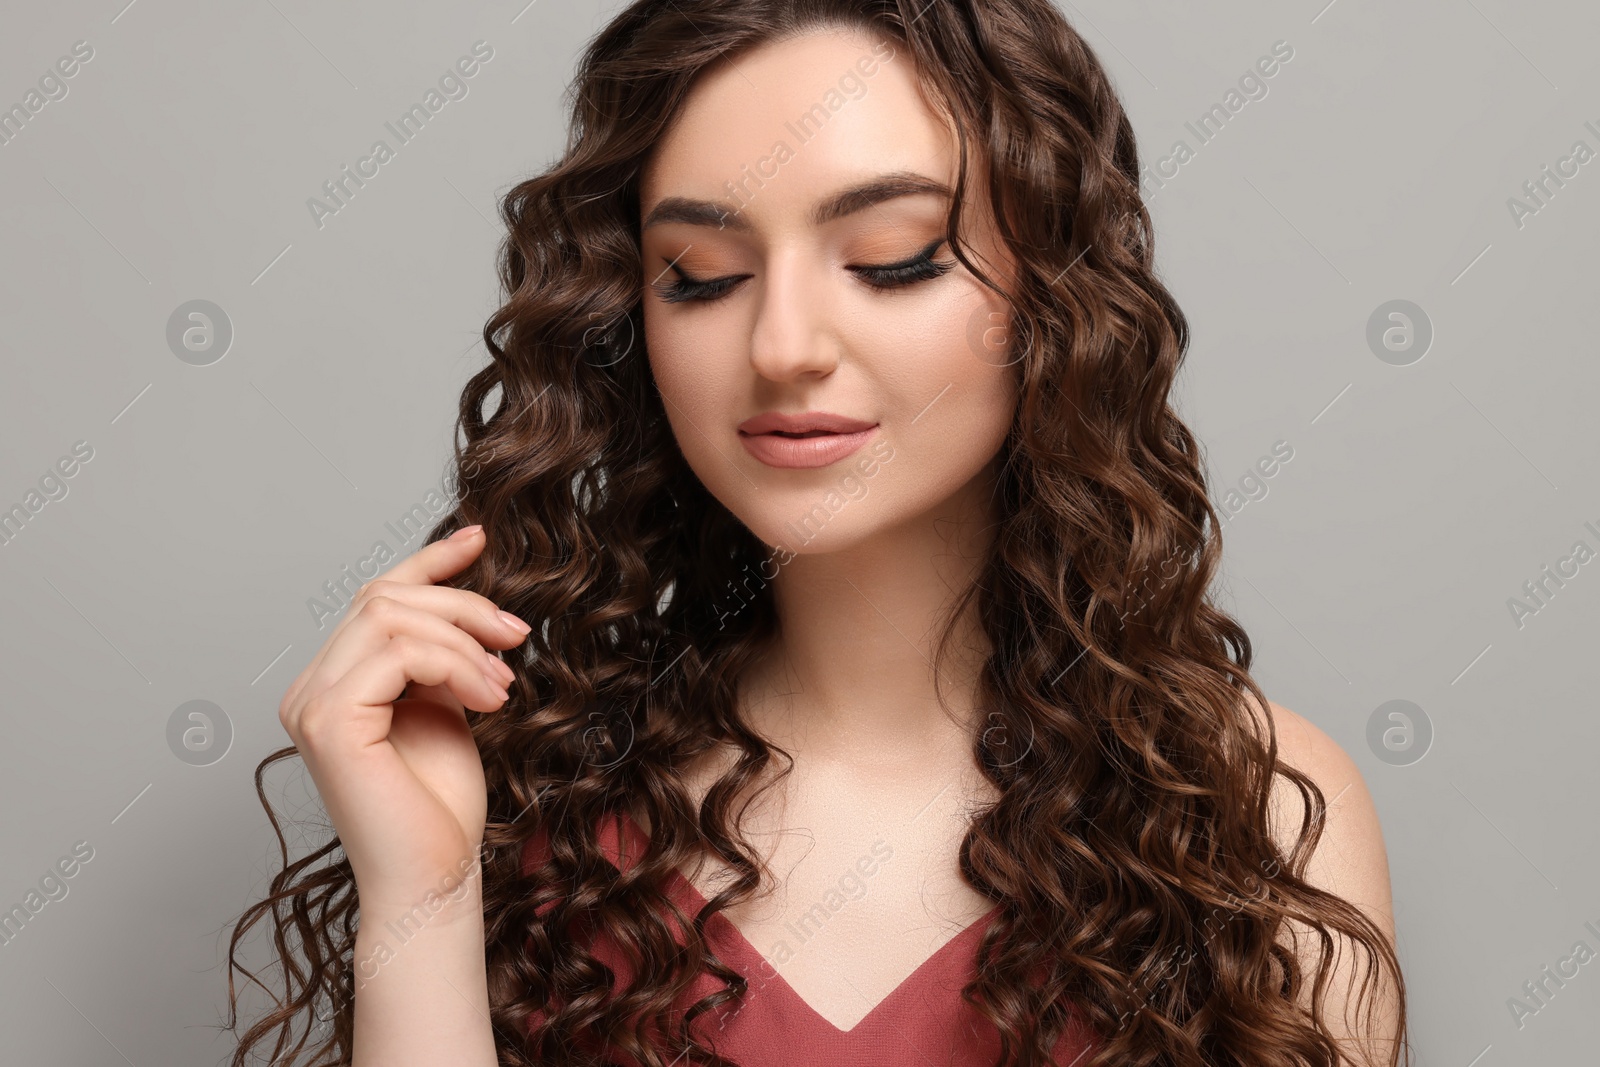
(920, 268)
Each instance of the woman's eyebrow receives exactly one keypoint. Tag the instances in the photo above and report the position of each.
(846, 202)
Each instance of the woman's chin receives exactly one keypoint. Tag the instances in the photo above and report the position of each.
(808, 534)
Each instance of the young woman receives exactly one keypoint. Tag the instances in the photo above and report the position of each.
(818, 667)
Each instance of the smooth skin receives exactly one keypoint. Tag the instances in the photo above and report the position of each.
(804, 322)
(379, 717)
(850, 690)
(790, 322)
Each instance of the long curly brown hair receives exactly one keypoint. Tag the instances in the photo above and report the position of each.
(1130, 748)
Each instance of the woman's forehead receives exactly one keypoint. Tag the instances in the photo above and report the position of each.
(797, 119)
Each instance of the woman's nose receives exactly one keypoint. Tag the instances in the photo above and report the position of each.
(793, 335)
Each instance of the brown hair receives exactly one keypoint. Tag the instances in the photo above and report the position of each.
(1130, 844)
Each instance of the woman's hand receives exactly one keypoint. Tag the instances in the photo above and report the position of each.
(397, 767)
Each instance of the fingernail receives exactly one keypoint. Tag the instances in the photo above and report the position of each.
(499, 666)
(514, 622)
(464, 532)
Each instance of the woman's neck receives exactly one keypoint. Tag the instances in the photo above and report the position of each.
(852, 666)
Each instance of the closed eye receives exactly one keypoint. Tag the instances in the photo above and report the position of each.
(920, 267)
(687, 288)
(880, 278)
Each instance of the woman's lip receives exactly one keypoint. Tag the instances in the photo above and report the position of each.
(768, 421)
(803, 452)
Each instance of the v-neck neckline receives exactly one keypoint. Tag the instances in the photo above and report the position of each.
(751, 960)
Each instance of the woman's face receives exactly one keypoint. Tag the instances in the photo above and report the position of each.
(795, 264)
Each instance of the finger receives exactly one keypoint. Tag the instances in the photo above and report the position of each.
(469, 611)
(447, 557)
(442, 558)
(472, 612)
(357, 710)
(433, 694)
(383, 618)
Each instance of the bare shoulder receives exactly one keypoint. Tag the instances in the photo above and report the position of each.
(1350, 861)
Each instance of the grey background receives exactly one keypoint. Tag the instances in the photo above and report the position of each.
(219, 498)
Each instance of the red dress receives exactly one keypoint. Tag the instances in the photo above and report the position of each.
(923, 1021)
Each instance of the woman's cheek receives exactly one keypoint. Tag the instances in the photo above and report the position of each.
(699, 405)
(686, 378)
